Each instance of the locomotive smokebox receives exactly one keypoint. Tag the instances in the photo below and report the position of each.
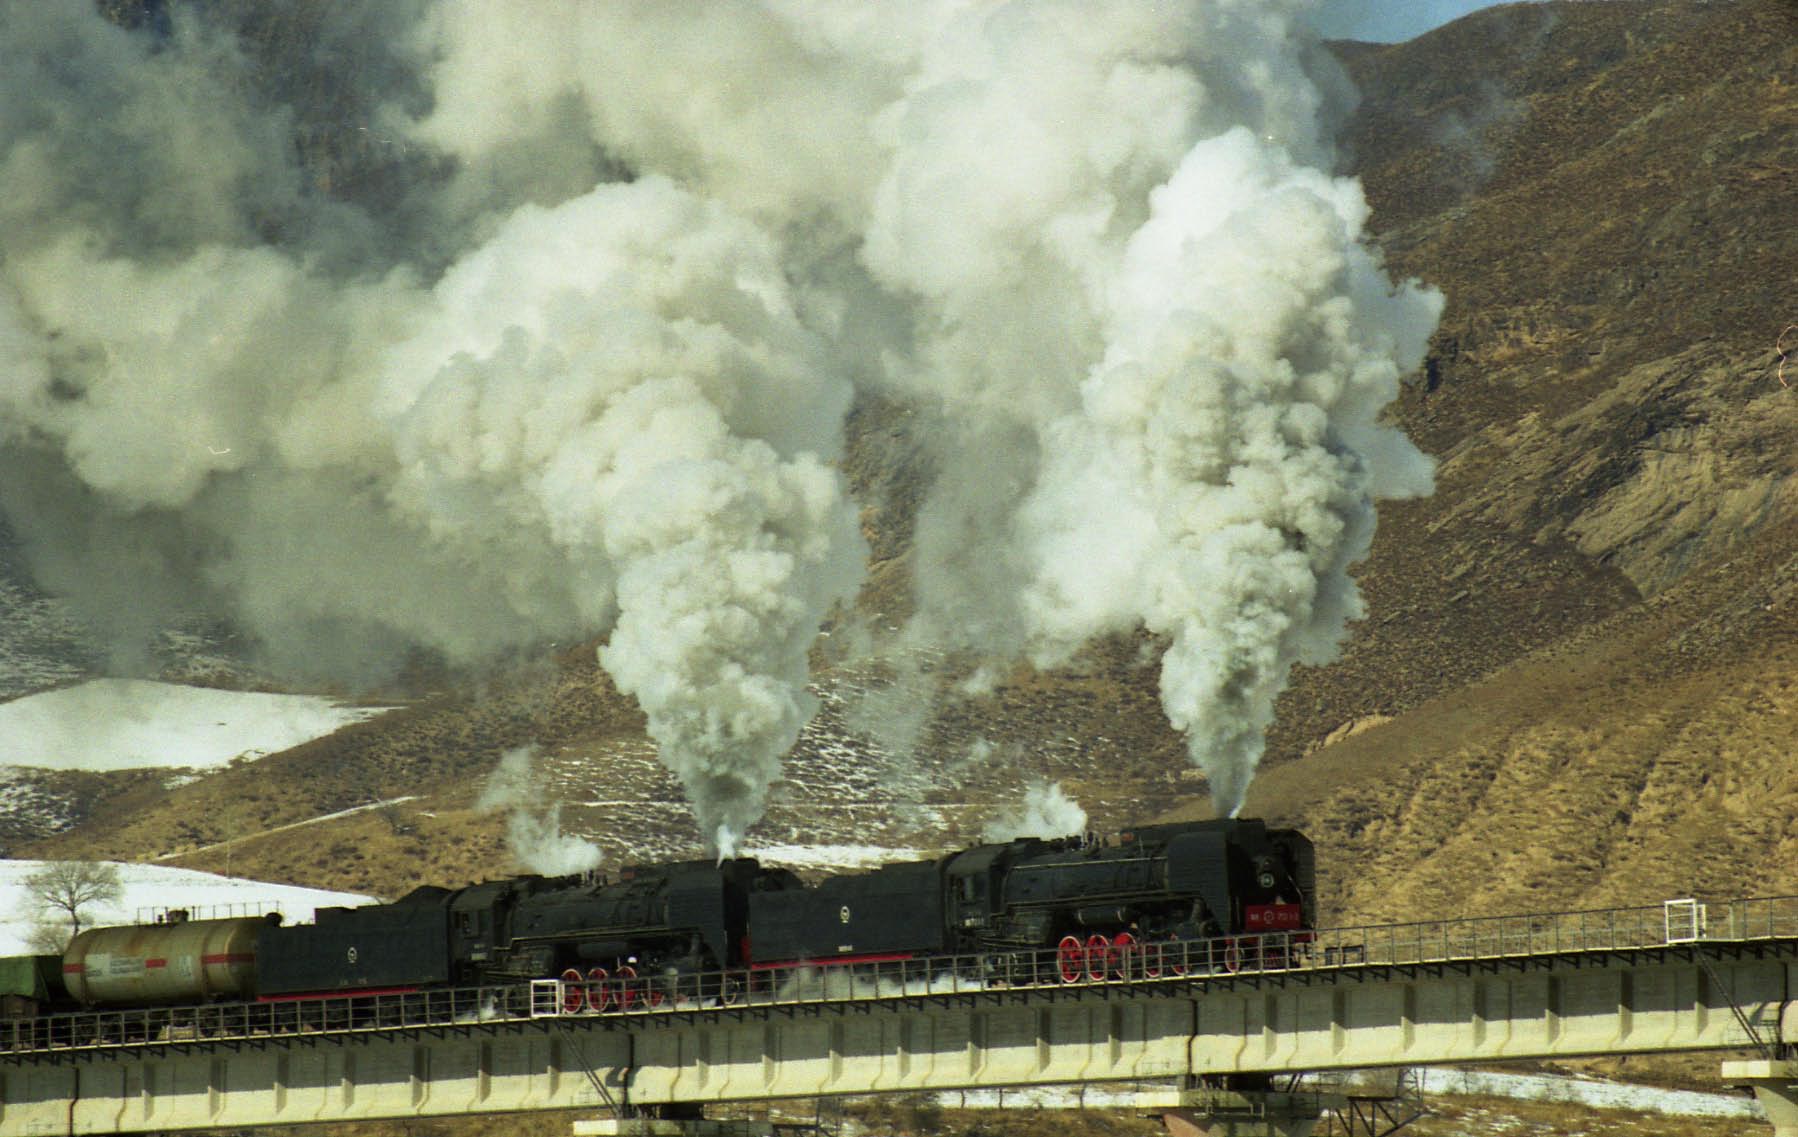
(182, 961)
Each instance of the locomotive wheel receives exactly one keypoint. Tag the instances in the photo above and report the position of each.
(1180, 955)
(1070, 959)
(1020, 969)
(1099, 957)
(598, 990)
(1232, 958)
(625, 989)
(1151, 961)
(574, 996)
(1128, 956)
(730, 991)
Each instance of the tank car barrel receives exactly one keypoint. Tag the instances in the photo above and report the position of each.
(188, 961)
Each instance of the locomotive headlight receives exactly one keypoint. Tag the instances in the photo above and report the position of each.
(1265, 875)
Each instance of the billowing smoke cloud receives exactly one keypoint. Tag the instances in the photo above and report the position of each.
(465, 326)
(1164, 343)
(533, 819)
(600, 413)
(1046, 811)
(1232, 427)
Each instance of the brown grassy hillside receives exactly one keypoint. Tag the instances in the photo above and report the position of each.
(1604, 581)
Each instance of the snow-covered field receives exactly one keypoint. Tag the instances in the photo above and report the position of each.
(119, 724)
(830, 856)
(1593, 1092)
(149, 889)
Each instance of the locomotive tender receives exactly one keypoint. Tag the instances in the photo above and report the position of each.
(1028, 908)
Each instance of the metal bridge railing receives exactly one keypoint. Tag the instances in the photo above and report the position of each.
(1095, 962)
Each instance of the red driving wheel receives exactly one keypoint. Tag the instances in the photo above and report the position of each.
(1099, 957)
(1151, 961)
(1126, 954)
(1070, 959)
(574, 996)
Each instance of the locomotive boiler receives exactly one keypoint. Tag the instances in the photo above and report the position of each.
(1078, 896)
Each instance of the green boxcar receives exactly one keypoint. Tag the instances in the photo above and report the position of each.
(29, 984)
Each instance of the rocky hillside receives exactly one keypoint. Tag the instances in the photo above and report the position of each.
(1578, 683)
(1586, 638)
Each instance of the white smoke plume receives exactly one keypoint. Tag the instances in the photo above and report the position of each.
(390, 325)
(533, 821)
(1164, 342)
(568, 412)
(1046, 811)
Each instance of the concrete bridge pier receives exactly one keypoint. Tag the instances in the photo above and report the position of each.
(1775, 1085)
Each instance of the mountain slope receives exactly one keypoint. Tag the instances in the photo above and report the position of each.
(1610, 555)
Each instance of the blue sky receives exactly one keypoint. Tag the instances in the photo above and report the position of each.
(1389, 21)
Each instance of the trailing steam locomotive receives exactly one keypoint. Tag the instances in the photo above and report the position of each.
(1068, 909)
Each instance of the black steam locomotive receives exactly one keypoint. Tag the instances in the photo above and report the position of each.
(1099, 907)
(1040, 910)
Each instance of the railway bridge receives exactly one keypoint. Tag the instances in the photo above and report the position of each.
(1216, 1023)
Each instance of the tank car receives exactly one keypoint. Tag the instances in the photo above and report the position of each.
(30, 985)
(176, 960)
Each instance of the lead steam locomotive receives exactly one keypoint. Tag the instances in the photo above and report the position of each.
(1063, 910)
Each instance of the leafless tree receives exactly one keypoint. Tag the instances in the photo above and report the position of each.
(70, 886)
(47, 937)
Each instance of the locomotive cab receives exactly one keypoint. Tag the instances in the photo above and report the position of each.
(974, 884)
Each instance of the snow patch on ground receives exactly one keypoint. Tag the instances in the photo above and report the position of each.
(1593, 1092)
(151, 889)
(830, 856)
(21, 796)
(121, 724)
(39, 645)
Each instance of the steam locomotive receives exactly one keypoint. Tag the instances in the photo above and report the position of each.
(1043, 910)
